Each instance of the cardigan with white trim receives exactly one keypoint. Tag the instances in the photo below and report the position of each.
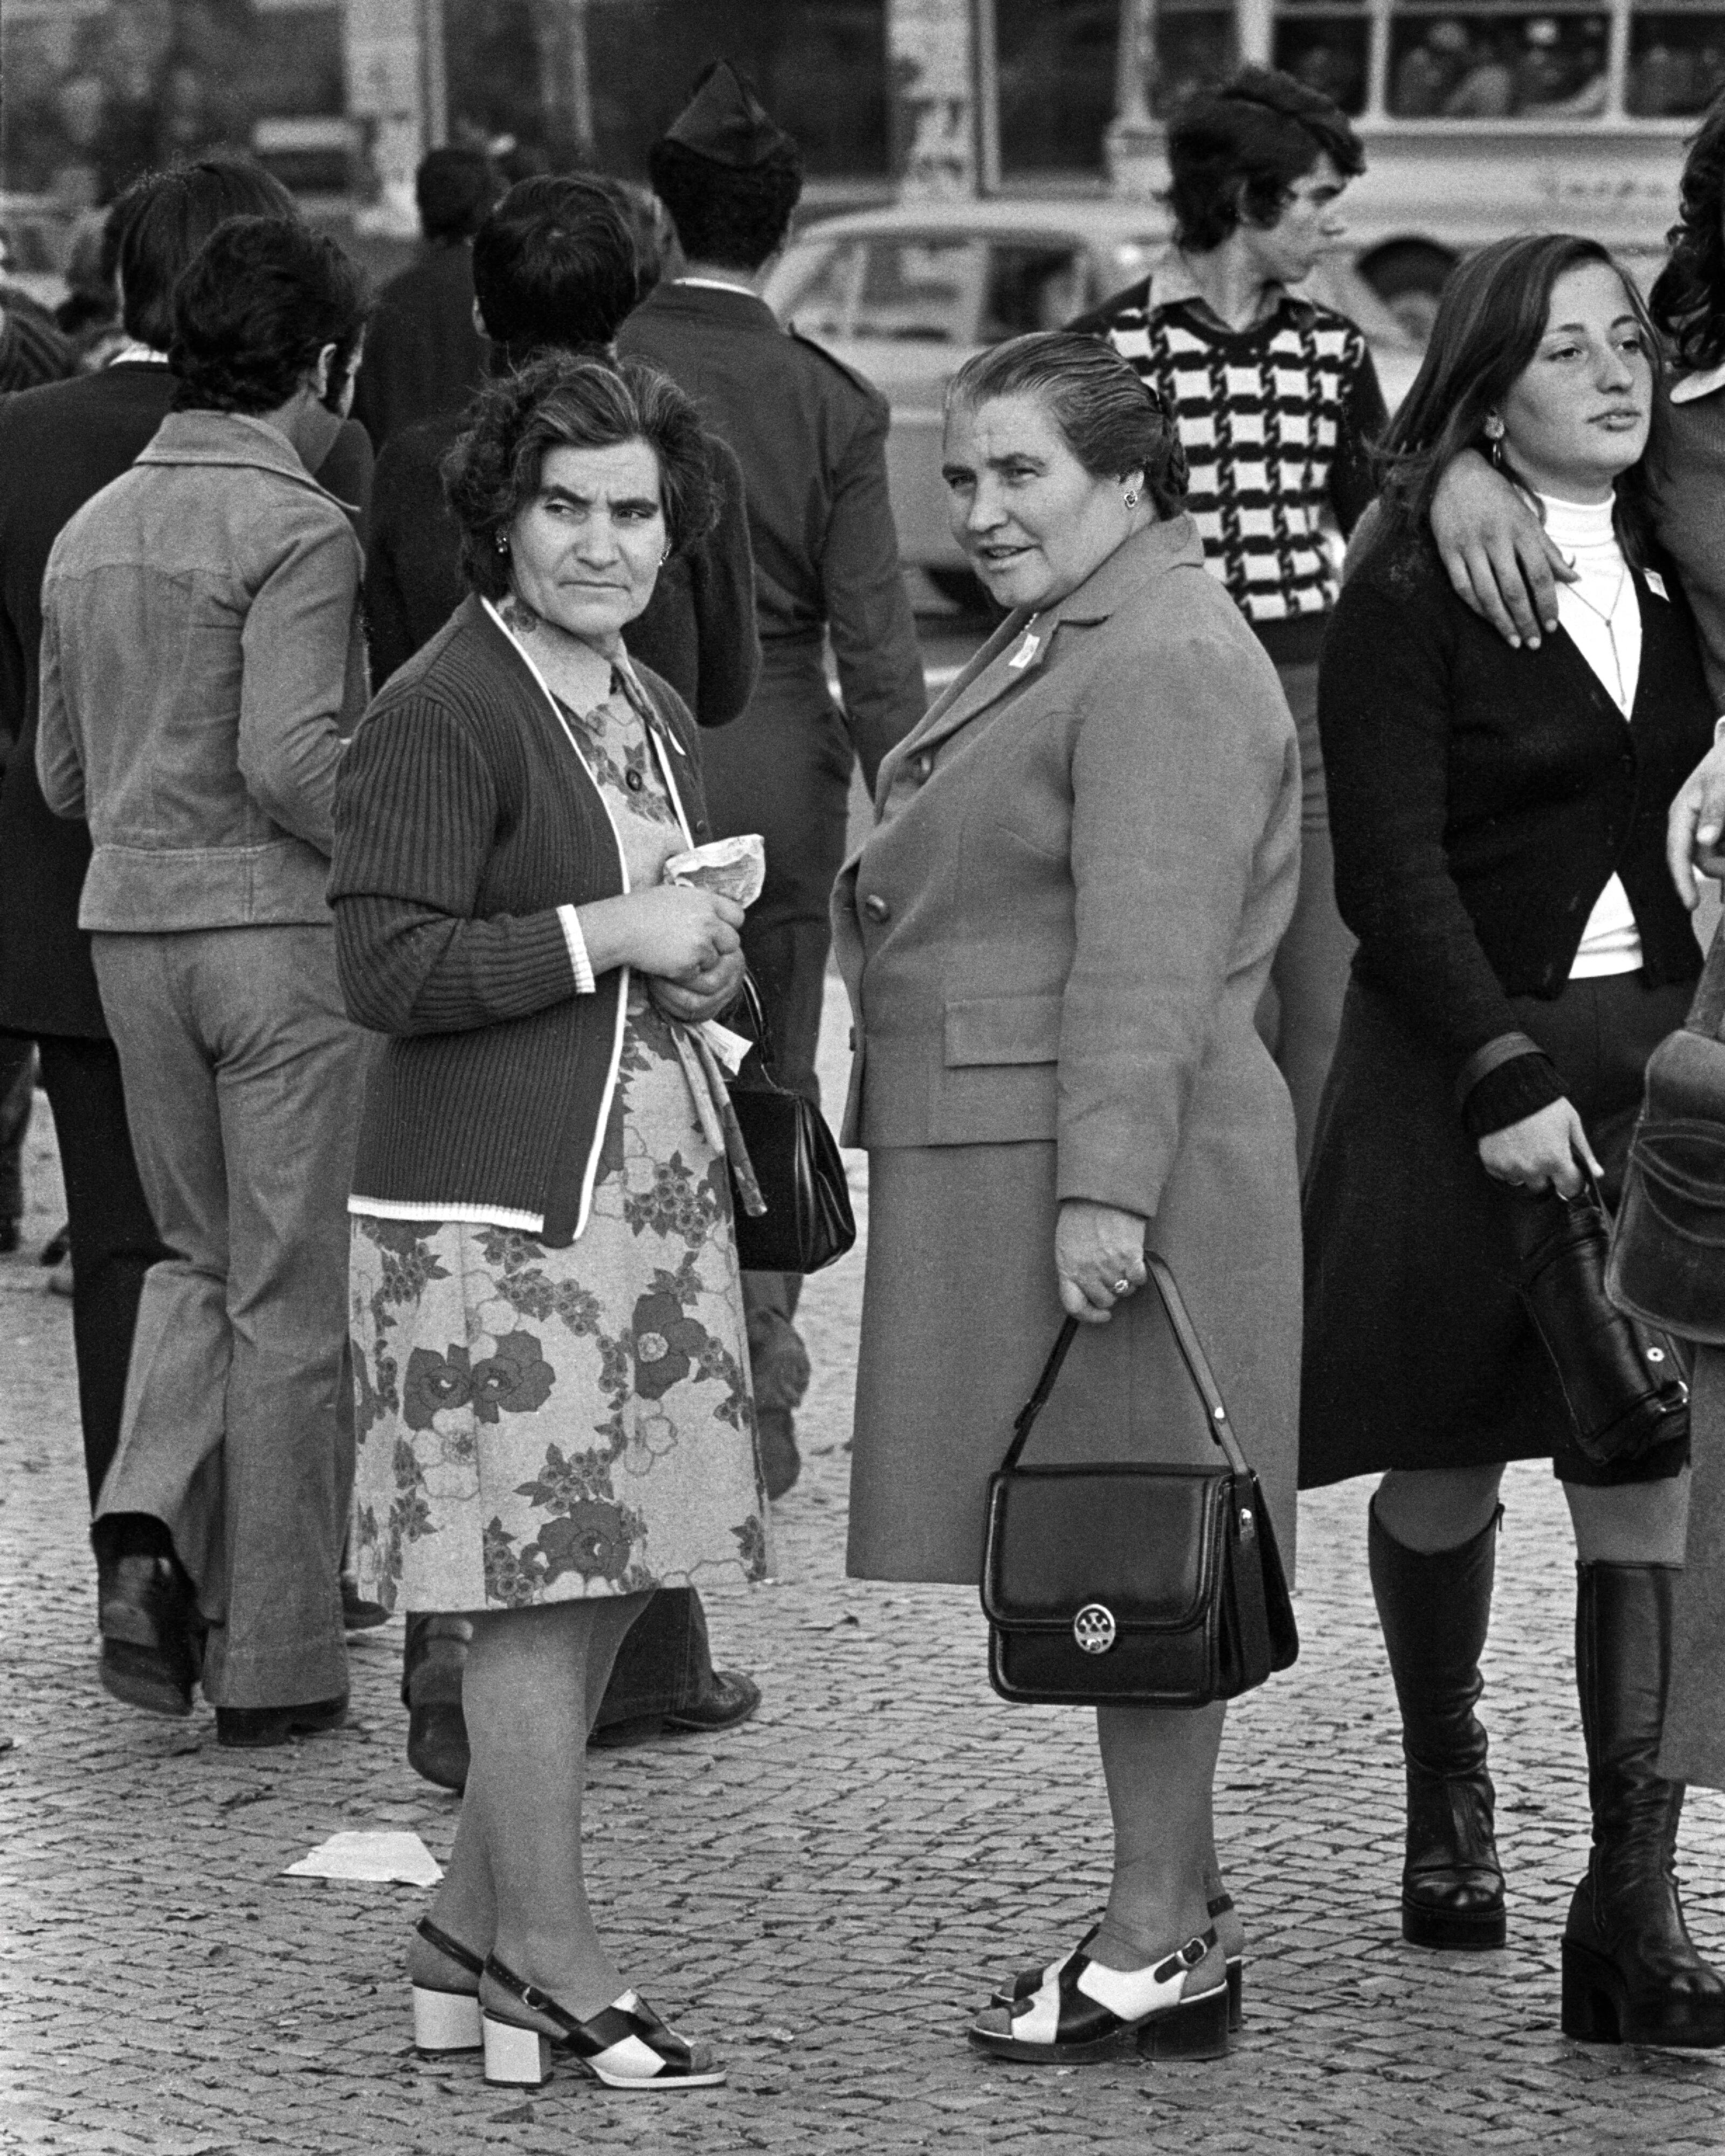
(463, 821)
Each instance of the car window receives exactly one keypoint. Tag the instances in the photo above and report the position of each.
(1033, 286)
(819, 288)
(921, 290)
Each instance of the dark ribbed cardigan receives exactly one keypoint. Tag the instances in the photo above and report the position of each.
(1480, 798)
(463, 819)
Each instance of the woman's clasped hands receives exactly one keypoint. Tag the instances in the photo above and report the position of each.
(684, 938)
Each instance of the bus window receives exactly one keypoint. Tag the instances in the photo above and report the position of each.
(1476, 63)
(1196, 48)
(1676, 65)
(1328, 49)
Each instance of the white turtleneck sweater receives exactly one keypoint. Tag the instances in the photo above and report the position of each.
(1602, 616)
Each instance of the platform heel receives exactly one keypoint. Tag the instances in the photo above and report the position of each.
(444, 2021)
(1196, 2028)
(515, 2057)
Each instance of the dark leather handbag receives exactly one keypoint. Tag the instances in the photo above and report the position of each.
(806, 1222)
(1667, 1262)
(1121, 1585)
(1624, 1382)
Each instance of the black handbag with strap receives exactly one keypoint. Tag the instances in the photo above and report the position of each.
(1114, 1584)
(806, 1221)
(1667, 1262)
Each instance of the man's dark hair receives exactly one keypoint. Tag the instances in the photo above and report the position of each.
(454, 189)
(731, 216)
(163, 220)
(259, 300)
(1235, 152)
(1109, 417)
(554, 265)
(561, 401)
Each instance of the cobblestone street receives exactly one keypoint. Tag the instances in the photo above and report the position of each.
(827, 1891)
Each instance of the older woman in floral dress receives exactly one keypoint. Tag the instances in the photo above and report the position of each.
(548, 1339)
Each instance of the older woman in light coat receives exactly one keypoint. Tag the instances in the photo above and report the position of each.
(1054, 939)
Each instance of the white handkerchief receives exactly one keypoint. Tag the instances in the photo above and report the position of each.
(728, 1047)
(377, 1854)
(735, 868)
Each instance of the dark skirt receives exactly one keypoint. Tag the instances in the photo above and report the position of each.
(1418, 1352)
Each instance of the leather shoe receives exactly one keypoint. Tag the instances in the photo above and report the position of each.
(434, 1655)
(357, 1613)
(151, 1646)
(251, 1729)
(731, 1698)
(437, 1744)
(776, 1444)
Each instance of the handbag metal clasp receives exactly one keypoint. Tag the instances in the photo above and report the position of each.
(1094, 1628)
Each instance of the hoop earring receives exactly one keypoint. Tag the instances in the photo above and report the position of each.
(1131, 498)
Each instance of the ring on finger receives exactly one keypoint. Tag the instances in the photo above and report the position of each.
(1122, 1288)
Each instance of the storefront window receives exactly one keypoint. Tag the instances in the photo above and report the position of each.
(1498, 64)
(1058, 63)
(819, 65)
(1328, 49)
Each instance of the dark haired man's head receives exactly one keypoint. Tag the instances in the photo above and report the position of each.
(454, 189)
(729, 177)
(260, 303)
(1234, 154)
(163, 220)
(554, 266)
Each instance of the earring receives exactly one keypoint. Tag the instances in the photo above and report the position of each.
(502, 542)
(664, 558)
(1131, 498)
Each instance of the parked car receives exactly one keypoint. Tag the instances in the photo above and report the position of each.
(907, 294)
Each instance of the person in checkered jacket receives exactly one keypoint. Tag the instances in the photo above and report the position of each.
(1278, 406)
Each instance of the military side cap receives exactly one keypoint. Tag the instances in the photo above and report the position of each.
(725, 122)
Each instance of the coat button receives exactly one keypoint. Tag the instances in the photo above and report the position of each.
(876, 907)
(922, 766)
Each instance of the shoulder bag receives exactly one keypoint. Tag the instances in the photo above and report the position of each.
(1123, 1585)
(1667, 1260)
(798, 1219)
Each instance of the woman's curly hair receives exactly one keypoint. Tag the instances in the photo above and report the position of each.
(1687, 300)
(563, 402)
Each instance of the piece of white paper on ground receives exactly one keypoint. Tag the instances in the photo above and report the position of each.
(378, 1854)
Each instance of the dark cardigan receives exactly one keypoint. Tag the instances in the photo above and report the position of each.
(462, 820)
(1480, 798)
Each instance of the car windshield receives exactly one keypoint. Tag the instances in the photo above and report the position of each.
(928, 288)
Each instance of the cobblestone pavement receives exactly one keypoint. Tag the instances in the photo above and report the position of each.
(827, 1891)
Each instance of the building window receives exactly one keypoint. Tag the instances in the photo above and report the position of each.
(1057, 62)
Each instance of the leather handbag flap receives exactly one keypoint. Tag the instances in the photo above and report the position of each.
(1140, 1541)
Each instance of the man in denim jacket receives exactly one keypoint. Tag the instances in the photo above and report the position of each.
(202, 664)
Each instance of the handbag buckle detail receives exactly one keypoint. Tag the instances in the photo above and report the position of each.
(1094, 1628)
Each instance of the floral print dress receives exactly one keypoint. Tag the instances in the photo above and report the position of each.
(540, 1425)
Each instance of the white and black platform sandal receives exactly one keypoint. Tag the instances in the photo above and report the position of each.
(1082, 2012)
(624, 2045)
(445, 2019)
(1029, 1981)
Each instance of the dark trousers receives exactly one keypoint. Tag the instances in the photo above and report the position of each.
(114, 1239)
(18, 1087)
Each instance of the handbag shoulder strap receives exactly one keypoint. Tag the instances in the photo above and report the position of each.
(1706, 1013)
(1191, 1354)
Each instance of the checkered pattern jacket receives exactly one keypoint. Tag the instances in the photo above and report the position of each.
(1276, 422)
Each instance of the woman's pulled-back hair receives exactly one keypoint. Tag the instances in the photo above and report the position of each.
(563, 402)
(1109, 417)
(1490, 321)
(254, 307)
(1688, 297)
(1233, 153)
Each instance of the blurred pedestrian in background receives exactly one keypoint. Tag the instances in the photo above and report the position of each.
(555, 268)
(1057, 1062)
(1278, 406)
(811, 438)
(59, 446)
(1500, 821)
(1503, 564)
(423, 355)
(548, 1335)
(219, 584)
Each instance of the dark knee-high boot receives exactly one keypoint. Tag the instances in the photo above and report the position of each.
(1631, 1975)
(1435, 1608)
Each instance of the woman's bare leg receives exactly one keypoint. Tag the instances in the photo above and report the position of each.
(1160, 1765)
